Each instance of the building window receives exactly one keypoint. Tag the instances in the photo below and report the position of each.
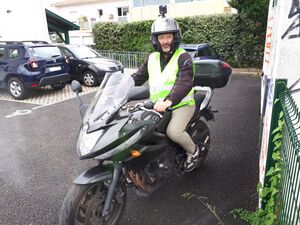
(100, 12)
(138, 3)
(123, 11)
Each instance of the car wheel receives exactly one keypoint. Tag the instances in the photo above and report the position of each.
(58, 86)
(16, 88)
(90, 79)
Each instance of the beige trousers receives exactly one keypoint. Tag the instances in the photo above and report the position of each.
(176, 128)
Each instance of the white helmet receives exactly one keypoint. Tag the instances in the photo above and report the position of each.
(165, 25)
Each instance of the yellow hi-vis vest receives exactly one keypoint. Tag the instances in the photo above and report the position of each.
(162, 82)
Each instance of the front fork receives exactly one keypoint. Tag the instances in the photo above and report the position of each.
(112, 188)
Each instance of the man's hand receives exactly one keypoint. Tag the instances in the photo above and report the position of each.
(161, 106)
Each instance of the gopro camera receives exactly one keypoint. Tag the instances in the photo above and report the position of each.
(162, 10)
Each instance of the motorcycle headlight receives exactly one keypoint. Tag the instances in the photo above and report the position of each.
(86, 141)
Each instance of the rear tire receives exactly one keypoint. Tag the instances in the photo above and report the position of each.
(201, 136)
(84, 204)
(16, 88)
(58, 86)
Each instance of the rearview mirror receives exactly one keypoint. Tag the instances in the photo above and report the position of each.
(138, 93)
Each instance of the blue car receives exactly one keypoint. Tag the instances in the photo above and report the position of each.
(31, 64)
(201, 51)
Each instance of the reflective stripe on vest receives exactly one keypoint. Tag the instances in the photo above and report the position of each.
(162, 82)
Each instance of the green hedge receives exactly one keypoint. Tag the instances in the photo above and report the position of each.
(237, 40)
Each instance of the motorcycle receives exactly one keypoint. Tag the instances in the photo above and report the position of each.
(129, 143)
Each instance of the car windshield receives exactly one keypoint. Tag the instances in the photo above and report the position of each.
(112, 94)
(45, 52)
(84, 52)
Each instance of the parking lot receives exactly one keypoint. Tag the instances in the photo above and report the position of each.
(39, 161)
(46, 95)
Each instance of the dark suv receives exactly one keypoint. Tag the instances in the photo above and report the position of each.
(201, 51)
(87, 65)
(30, 64)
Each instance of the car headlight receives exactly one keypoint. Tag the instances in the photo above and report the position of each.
(86, 141)
(102, 67)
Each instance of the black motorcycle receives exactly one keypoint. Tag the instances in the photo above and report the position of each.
(130, 145)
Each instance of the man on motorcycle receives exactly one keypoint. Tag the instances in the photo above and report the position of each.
(170, 73)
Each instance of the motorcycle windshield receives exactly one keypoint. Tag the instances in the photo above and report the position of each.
(112, 94)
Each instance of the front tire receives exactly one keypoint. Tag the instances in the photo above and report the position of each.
(90, 79)
(84, 204)
(201, 136)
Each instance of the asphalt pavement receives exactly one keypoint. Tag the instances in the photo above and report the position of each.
(38, 162)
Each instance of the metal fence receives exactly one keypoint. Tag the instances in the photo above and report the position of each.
(130, 60)
(289, 213)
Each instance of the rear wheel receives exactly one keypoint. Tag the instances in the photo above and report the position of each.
(90, 79)
(16, 88)
(58, 86)
(84, 205)
(201, 137)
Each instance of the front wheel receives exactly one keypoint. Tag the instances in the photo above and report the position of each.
(90, 79)
(84, 205)
(201, 136)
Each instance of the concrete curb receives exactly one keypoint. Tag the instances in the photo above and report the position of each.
(247, 71)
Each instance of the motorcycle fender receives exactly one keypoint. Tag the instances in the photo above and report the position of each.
(94, 175)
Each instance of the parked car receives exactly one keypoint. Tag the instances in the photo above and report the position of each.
(31, 64)
(87, 65)
(201, 51)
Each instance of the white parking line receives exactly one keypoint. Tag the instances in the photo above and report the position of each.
(19, 113)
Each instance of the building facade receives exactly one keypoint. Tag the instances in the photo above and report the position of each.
(86, 13)
(148, 9)
(17, 24)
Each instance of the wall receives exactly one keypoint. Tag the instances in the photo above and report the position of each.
(90, 10)
(204, 7)
(110, 12)
(283, 41)
(23, 20)
(281, 61)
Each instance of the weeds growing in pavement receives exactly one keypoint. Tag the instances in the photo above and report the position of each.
(210, 207)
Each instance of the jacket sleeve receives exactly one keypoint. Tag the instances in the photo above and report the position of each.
(141, 75)
(184, 82)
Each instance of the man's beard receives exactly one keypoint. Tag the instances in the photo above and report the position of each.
(166, 48)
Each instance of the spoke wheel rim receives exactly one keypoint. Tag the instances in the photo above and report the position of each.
(201, 137)
(90, 208)
(15, 88)
(89, 79)
(203, 145)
